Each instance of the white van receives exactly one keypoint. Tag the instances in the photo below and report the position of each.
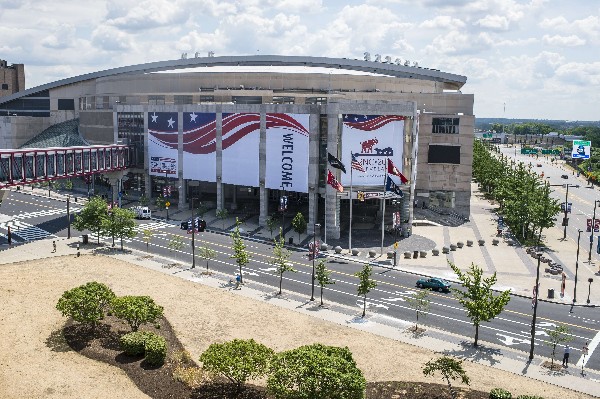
(142, 212)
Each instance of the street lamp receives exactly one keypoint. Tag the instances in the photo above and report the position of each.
(592, 231)
(314, 255)
(193, 231)
(282, 209)
(535, 302)
(590, 281)
(396, 225)
(68, 217)
(576, 270)
(566, 220)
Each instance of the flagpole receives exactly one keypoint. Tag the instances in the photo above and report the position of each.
(325, 207)
(350, 227)
(383, 213)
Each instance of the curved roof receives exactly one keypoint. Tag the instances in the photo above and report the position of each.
(399, 71)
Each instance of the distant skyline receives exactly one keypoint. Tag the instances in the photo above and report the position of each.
(523, 59)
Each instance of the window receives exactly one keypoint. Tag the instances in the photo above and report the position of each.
(246, 99)
(283, 100)
(182, 100)
(444, 154)
(316, 100)
(444, 125)
(207, 99)
(4, 86)
(66, 104)
(156, 100)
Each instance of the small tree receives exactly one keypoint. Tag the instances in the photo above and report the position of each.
(87, 303)
(478, 298)
(560, 335)
(201, 211)
(147, 237)
(241, 256)
(68, 185)
(238, 360)
(281, 258)
(419, 302)
(208, 254)
(160, 202)
(144, 201)
(120, 224)
(450, 369)
(365, 284)
(222, 214)
(91, 216)
(323, 277)
(299, 224)
(316, 371)
(136, 310)
(271, 224)
(176, 243)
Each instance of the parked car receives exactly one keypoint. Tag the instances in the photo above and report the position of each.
(142, 212)
(539, 165)
(564, 176)
(200, 222)
(434, 283)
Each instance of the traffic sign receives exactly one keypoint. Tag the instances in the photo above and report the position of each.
(283, 203)
(596, 224)
(167, 204)
(396, 245)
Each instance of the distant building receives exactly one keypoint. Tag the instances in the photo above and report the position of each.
(12, 78)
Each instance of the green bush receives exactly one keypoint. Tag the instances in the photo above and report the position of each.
(134, 343)
(86, 304)
(499, 393)
(156, 349)
(136, 310)
(529, 397)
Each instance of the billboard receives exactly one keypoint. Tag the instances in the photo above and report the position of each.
(581, 149)
(200, 146)
(162, 143)
(372, 139)
(287, 152)
(241, 139)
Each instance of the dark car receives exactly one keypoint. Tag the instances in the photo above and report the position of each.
(564, 176)
(539, 165)
(200, 222)
(436, 284)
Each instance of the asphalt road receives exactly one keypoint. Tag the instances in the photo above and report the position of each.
(37, 217)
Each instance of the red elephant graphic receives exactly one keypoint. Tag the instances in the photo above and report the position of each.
(367, 146)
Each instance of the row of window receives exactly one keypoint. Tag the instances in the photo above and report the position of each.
(444, 125)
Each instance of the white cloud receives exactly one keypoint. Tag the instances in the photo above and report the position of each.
(109, 38)
(563, 41)
(580, 74)
(554, 23)
(496, 22)
(298, 6)
(147, 14)
(442, 22)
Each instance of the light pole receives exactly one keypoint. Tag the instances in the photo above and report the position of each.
(576, 270)
(314, 255)
(282, 209)
(535, 302)
(396, 225)
(592, 231)
(590, 281)
(68, 217)
(566, 220)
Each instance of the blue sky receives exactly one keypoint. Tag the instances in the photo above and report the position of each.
(534, 58)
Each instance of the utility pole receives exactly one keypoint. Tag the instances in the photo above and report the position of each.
(576, 270)
(193, 234)
(535, 303)
(592, 232)
(68, 217)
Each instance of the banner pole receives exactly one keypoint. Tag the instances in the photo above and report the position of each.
(383, 211)
(350, 227)
(325, 208)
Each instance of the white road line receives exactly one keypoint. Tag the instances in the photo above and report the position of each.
(591, 347)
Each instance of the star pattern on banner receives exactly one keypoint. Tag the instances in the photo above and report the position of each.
(171, 122)
(154, 117)
(193, 117)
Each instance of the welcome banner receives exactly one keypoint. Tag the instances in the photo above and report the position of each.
(241, 138)
(287, 152)
(162, 143)
(372, 139)
(200, 146)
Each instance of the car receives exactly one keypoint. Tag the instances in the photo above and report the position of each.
(200, 222)
(539, 165)
(434, 283)
(564, 176)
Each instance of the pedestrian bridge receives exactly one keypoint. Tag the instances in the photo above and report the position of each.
(35, 165)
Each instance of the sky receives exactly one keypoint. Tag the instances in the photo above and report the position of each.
(522, 58)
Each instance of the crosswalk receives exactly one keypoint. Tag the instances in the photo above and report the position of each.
(25, 231)
(45, 212)
(156, 227)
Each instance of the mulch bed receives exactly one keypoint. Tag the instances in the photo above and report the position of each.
(102, 344)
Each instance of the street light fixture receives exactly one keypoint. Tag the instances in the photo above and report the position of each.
(579, 231)
(68, 217)
(566, 220)
(535, 302)
(396, 225)
(316, 228)
(590, 281)
(592, 231)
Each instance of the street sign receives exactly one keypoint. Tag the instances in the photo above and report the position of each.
(167, 204)
(283, 203)
(396, 219)
(360, 195)
(528, 151)
(313, 249)
(562, 207)
(596, 224)
(396, 245)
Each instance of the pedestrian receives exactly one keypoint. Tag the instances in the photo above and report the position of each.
(238, 281)
(53, 246)
(563, 285)
(584, 351)
(565, 361)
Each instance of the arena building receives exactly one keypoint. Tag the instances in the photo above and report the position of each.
(240, 132)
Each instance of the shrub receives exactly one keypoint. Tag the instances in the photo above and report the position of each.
(87, 303)
(499, 393)
(136, 310)
(133, 343)
(156, 349)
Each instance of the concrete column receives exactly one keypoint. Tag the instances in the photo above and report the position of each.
(147, 179)
(234, 198)
(264, 206)
(313, 211)
(262, 171)
(219, 161)
(332, 204)
(313, 173)
(182, 204)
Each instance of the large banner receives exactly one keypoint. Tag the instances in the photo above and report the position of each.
(372, 139)
(241, 138)
(287, 152)
(200, 146)
(162, 143)
(581, 149)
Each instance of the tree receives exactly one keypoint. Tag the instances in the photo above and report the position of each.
(136, 310)
(281, 258)
(68, 185)
(176, 243)
(222, 214)
(299, 224)
(160, 202)
(478, 298)
(323, 277)
(120, 224)
(365, 284)
(144, 201)
(271, 224)
(419, 302)
(315, 371)
(91, 216)
(238, 360)
(201, 211)
(147, 237)
(560, 335)
(450, 369)
(207, 253)
(241, 256)
(87, 303)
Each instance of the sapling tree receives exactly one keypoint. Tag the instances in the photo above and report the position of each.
(365, 285)
(207, 253)
(91, 216)
(322, 275)
(281, 262)
(299, 224)
(450, 369)
(419, 302)
(176, 243)
(147, 237)
(241, 256)
(271, 224)
(222, 214)
(558, 336)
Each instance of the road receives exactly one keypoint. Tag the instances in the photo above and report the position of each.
(38, 217)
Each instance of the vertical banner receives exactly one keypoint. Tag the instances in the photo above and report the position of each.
(200, 146)
(581, 149)
(372, 139)
(162, 143)
(241, 138)
(287, 152)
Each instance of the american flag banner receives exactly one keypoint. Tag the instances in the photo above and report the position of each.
(200, 146)
(162, 143)
(332, 181)
(240, 140)
(370, 122)
(356, 165)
